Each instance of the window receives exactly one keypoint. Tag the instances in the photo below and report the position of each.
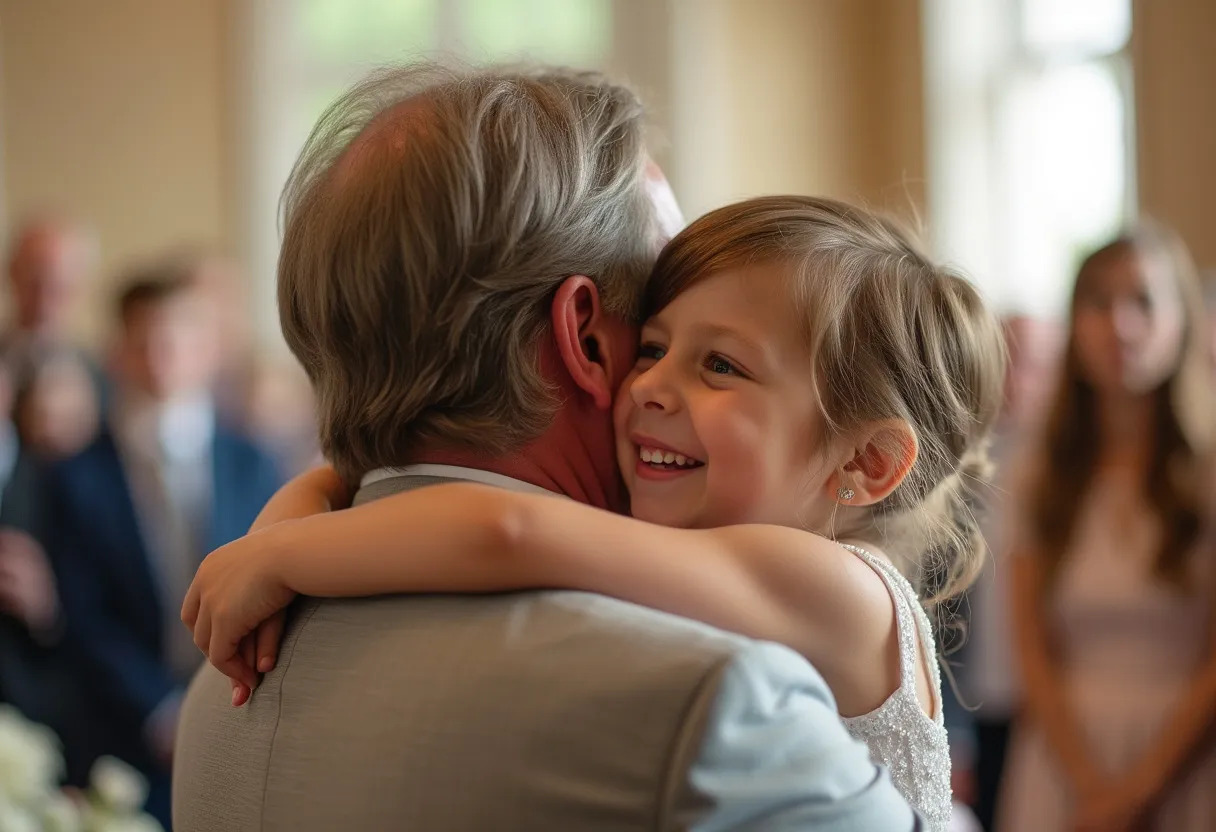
(303, 53)
(1030, 137)
(335, 41)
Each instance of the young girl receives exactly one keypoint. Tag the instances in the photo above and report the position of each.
(810, 400)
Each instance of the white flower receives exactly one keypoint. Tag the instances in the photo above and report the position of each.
(15, 818)
(117, 786)
(30, 798)
(103, 821)
(30, 762)
(60, 814)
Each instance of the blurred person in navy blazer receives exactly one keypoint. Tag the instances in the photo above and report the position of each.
(134, 513)
(36, 673)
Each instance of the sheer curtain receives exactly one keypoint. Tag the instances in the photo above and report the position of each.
(1030, 125)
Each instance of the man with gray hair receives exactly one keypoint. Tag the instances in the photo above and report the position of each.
(462, 267)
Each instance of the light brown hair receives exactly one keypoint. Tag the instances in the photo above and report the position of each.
(1182, 421)
(430, 218)
(893, 336)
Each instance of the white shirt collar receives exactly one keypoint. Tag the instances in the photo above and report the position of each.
(454, 472)
(175, 431)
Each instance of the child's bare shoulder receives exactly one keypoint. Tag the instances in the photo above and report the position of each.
(823, 586)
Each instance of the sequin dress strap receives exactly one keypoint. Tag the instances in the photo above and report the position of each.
(900, 735)
(912, 628)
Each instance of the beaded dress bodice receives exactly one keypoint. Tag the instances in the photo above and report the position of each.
(900, 735)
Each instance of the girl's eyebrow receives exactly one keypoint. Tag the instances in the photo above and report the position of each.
(655, 322)
(711, 330)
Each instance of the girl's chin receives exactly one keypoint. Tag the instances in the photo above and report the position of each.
(660, 515)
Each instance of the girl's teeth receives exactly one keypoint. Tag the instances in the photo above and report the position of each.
(657, 457)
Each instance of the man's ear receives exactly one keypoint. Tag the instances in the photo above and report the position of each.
(582, 342)
(882, 459)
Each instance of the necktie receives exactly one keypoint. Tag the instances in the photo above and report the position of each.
(175, 493)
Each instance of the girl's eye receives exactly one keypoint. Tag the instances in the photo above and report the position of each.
(651, 352)
(720, 366)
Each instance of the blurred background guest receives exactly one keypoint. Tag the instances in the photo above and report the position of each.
(1113, 576)
(164, 483)
(37, 675)
(279, 411)
(57, 410)
(222, 280)
(267, 398)
(53, 259)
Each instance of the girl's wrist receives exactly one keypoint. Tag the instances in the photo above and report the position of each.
(282, 541)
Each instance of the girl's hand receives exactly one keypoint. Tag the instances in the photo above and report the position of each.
(238, 587)
(261, 650)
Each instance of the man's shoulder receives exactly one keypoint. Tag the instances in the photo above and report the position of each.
(645, 711)
(525, 640)
(525, 619)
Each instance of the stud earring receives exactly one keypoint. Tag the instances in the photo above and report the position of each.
(846, 494)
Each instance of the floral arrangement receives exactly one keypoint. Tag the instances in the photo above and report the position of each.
(31, 765)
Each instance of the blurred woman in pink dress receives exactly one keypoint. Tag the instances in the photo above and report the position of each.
(1113, 581)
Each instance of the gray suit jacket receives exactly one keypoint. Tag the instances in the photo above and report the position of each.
(522, 711)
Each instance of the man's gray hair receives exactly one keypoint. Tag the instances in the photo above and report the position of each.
(430, 218)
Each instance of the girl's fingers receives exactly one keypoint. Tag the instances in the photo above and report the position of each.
(269, 635)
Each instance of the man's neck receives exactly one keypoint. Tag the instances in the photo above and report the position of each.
(558, 476)
(564, 461)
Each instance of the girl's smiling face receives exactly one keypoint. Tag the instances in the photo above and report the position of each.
(718, 423)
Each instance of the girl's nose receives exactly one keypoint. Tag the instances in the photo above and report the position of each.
(652, 390)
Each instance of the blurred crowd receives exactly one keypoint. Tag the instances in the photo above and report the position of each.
(1086, 683)
(120, 468)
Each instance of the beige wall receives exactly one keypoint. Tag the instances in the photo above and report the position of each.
(116, 111)
(820, 97)
(1174, 50)
(128, 112)
(124, 111)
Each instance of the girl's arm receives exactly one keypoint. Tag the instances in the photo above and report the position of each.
(1045, 697)
(767, 582)
(317, 491)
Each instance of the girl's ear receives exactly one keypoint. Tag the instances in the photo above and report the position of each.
(881, 461)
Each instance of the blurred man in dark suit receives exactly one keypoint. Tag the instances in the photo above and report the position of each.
(164, 483)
